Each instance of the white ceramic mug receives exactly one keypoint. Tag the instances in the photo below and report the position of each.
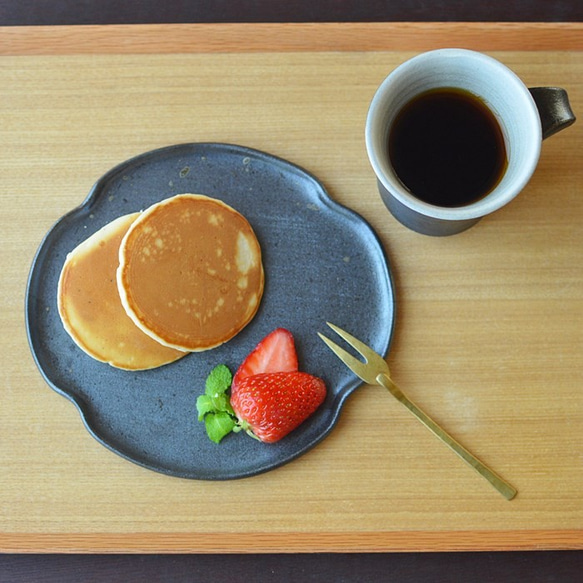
(526, 116)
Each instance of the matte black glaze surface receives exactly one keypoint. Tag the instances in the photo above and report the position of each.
(322, 262)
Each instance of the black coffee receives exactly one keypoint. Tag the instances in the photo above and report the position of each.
(447, 148)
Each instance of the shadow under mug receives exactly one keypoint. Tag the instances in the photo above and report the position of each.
(526, 117)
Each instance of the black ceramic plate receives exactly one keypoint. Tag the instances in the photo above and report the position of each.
(322, 262)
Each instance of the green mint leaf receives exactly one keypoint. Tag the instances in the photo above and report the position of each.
(204, 405)
(214, 406)
(219, 380)
(221, 402)
(218, 425)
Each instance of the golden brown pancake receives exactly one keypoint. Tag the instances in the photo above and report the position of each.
(190, 272)
(91, 310)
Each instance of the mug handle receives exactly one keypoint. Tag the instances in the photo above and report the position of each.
(554, 109)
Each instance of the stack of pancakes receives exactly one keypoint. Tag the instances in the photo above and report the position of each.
(184, 275)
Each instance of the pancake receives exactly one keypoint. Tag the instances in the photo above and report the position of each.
(91, 310)
(190, 272)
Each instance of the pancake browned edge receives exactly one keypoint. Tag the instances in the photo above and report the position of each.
(91, 310)
(190, 273)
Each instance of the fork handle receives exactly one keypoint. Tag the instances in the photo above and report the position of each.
(502, 486)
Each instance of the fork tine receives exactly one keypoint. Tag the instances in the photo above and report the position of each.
(370, 356)
(358, 367)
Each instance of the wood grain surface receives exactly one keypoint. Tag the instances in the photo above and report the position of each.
(489, 330)
(289, 36)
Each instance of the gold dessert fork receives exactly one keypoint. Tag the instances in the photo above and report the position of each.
(375, 371)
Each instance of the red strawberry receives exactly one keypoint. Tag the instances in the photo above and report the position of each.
(275, 353)
(273, 404)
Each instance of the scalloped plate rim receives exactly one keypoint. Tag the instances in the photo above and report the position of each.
(344, 391)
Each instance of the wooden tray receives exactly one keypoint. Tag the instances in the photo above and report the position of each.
(489, 332)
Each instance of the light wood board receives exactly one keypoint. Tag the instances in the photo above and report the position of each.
(489, 336)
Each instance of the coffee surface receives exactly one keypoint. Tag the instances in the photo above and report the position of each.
(447, 147)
